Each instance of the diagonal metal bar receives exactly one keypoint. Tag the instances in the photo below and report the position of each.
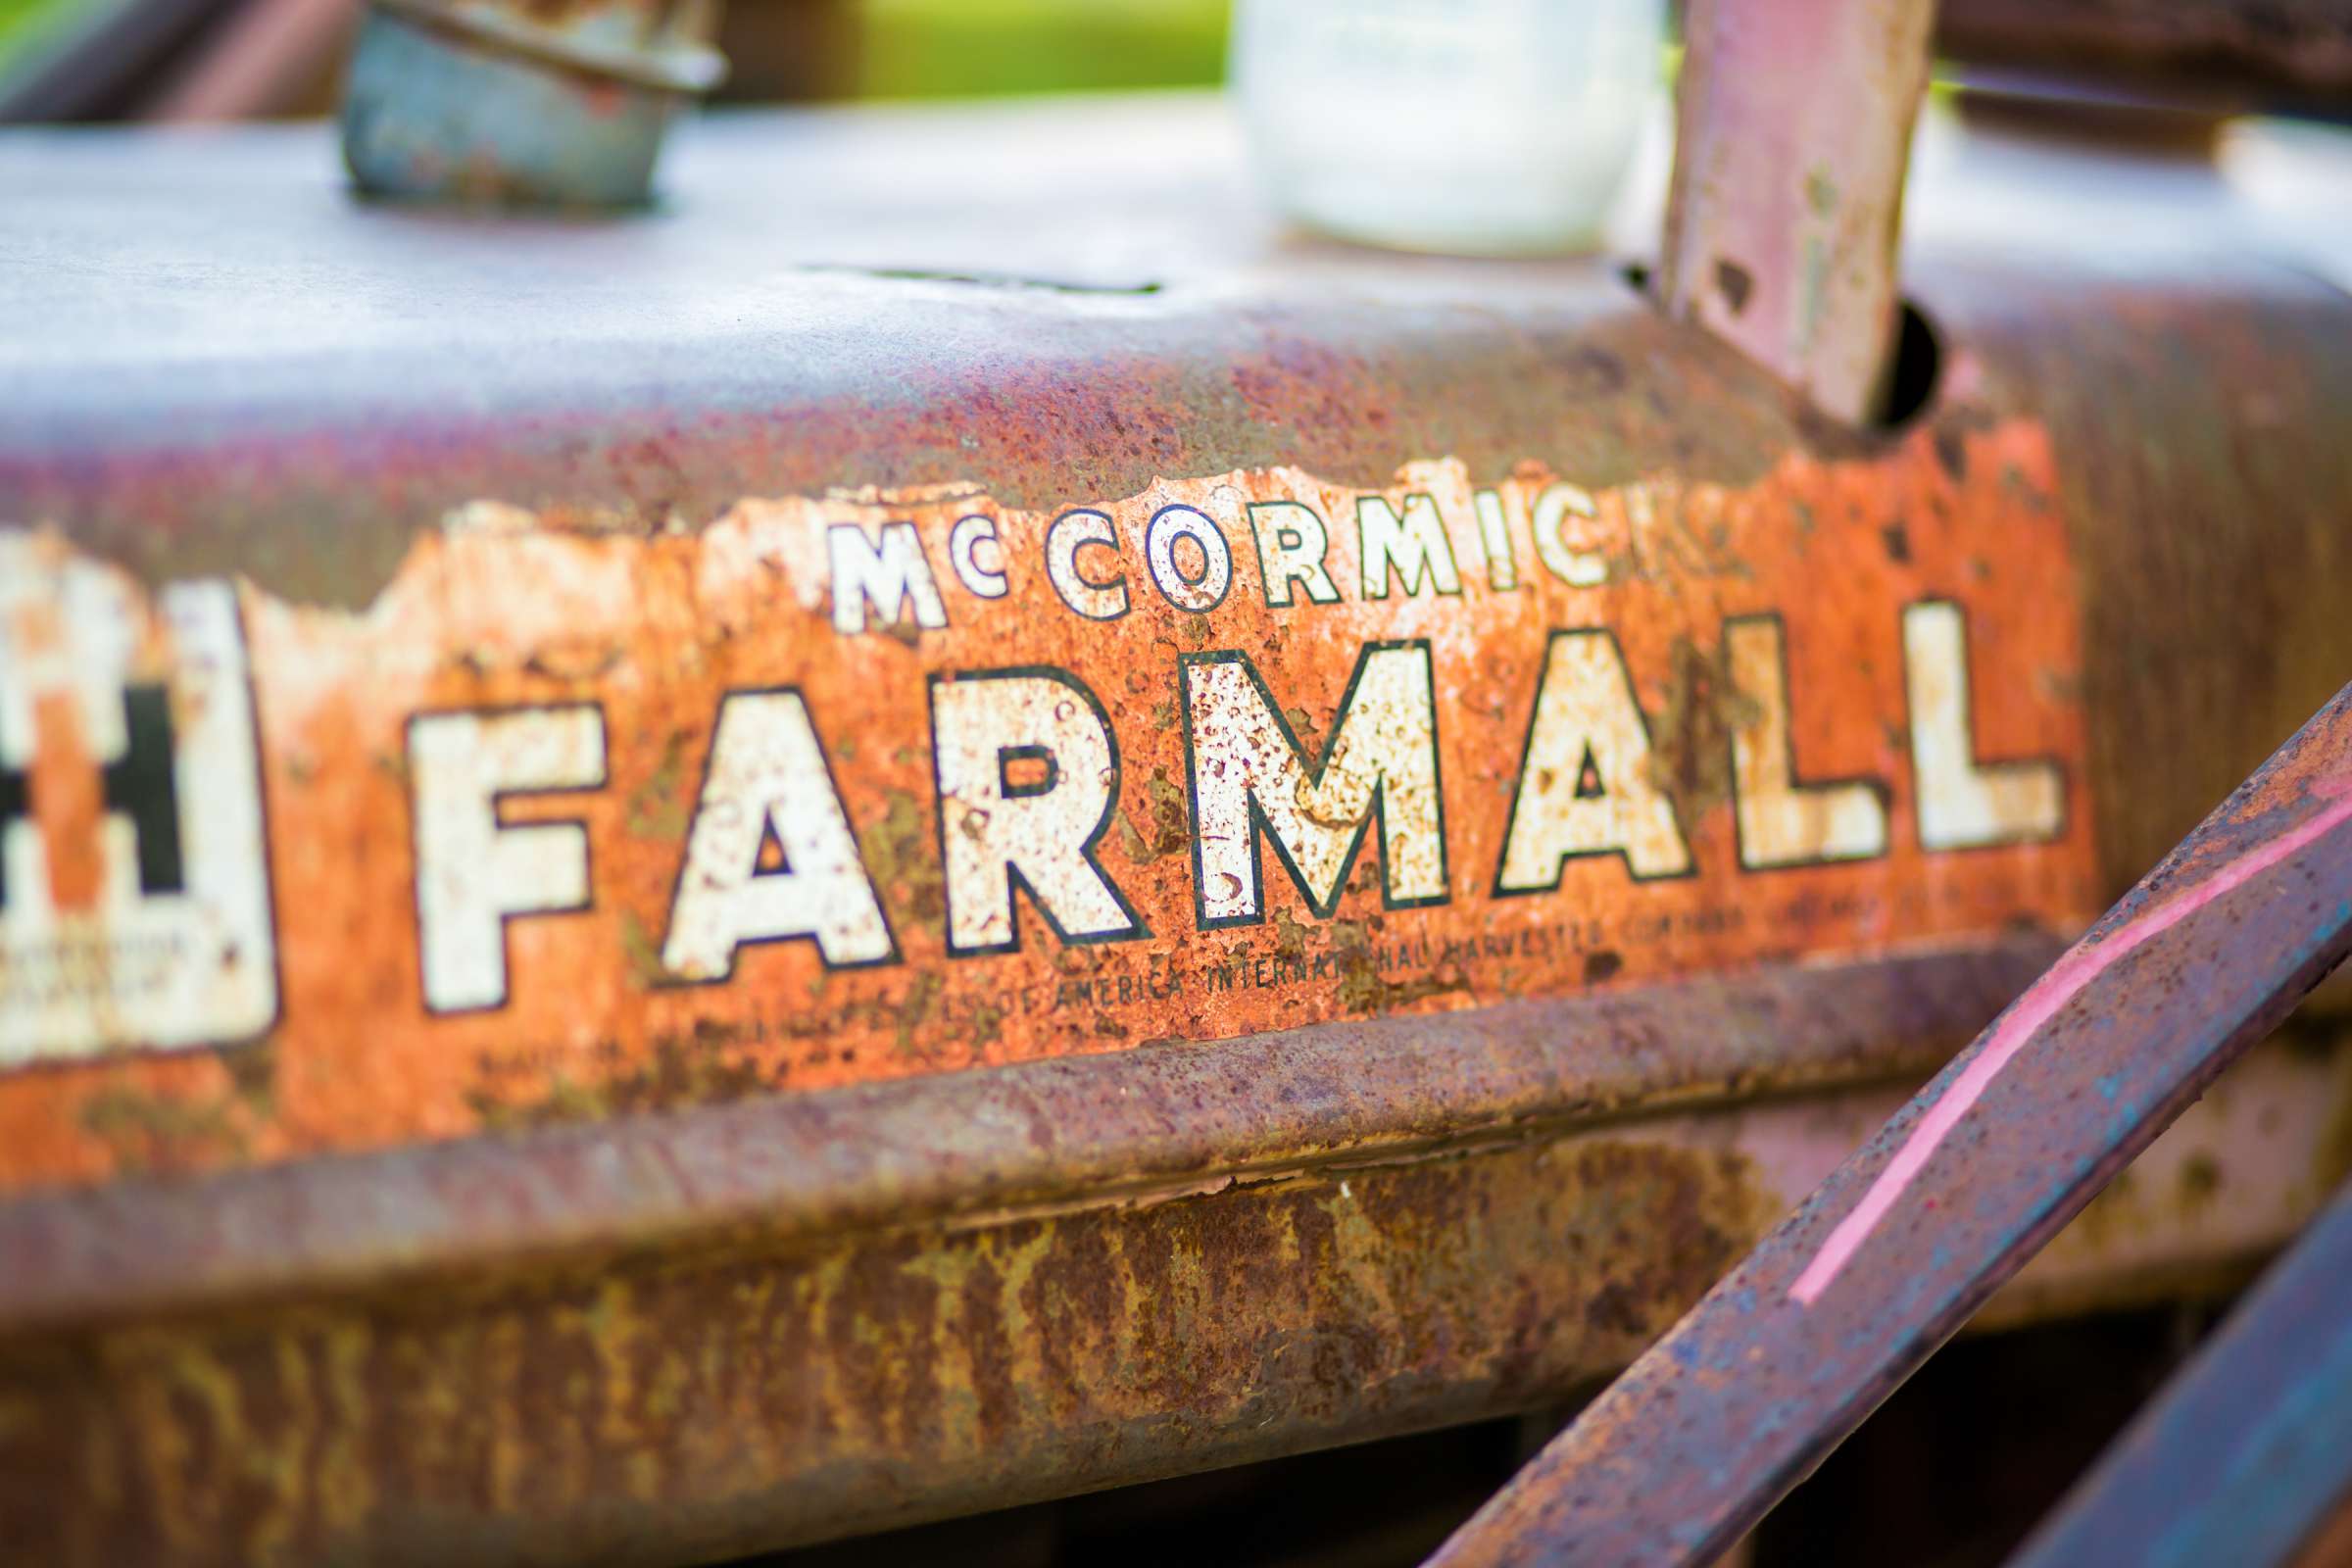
(1889, 1257)
(2248, 1451)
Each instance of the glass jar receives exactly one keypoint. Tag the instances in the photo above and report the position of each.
(1474, 126)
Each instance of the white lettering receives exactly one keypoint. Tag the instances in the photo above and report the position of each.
(1494, 539)
(963, 554)
(1575, 566)
(1414, 547)
(473, 872)
(1196, 591)
(766, 781)
(1584, 783)
(1964, 804)
(1248, 772)
(1290, 542)
(1037, 830)
(887, 576)
(1782, 822)
(1103, 600)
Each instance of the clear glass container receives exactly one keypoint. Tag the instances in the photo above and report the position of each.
(1474, 126)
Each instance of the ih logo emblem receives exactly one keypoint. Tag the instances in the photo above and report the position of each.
(134, 887)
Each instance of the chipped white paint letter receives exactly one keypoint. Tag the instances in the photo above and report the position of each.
(1583, 783)
(766, 782)
(1962, 805)
(1096, 598)
(1028, 777)
(1494, 538)
(1172, 572)
(1248, 773)
(1575, 566)
(474, 871)
(1290, 542)
(1782, 822)
(1414, 547)
(963, 554)
(886, 574)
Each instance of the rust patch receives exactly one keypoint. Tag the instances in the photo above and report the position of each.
(745, 1398)
(1693, 757)
(704, 1066)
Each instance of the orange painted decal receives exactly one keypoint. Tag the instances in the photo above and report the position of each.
(570, 822)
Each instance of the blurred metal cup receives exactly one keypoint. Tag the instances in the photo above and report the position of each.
(510, 103)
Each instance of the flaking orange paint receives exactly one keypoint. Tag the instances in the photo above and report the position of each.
(499, 607)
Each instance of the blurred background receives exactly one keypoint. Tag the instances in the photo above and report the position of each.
(200, 60)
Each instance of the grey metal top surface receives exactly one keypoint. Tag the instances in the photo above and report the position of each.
(179, 284)
(237, 264)
(176, 283)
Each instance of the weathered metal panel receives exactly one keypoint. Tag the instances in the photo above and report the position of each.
(742, 807)
(1041, 402)
(806, 1315)
(941, 1148)
(754, 1328)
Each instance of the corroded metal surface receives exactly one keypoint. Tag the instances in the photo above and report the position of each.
(1792, 138)
(1793, 1347)
(742, 808)
(2229, 496)
(680, 1378)
(788, 1319)
(2240, 1173)
(725, 1402)
(1144, 321)
(752, 1318)
(1056, 399)
(938, 1151)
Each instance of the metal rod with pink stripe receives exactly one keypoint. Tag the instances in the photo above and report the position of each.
(1792, 1350)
